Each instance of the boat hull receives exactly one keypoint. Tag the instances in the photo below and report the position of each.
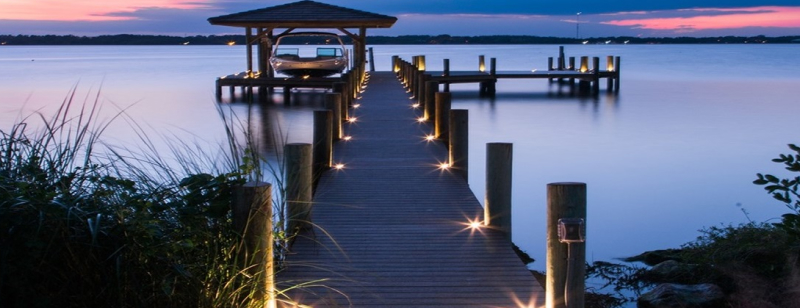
(308, 68)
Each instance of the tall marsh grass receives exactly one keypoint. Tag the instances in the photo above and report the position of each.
(83, 224)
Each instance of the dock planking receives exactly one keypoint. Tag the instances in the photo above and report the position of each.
(392, 230)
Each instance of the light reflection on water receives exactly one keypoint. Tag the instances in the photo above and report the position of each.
(676, 150)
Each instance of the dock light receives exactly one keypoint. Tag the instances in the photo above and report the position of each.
(421, 119)
(610, 63)
(430, 137)
(355, 106)
(338, 166)
(475, 224)
(415, 105)
(347, 138)
(444, 166)
(351, 119)
(481, 64)
(421, 64)
(231, 43)
(571, 230)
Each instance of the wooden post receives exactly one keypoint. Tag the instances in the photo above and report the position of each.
(323, 144)
(481, 64)
(564, 200)
(252, 218)
(617, 69)
(218, 88)
(572, 68)
(333, 102)
(371, 60)
(419, 92)
(596, 75)
(549, 67)
(431, 90)
(395, 64)
(299, 178)
(421, 63)
(340, 88)
(493, 66)
(561, 58)
(287, 95)
(446, 73)
(442, 116)
(459, 142)
(497, 202)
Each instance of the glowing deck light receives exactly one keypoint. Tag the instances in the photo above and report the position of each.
(355, 106)
(352, 119)
(421, 119)
(475, 224)
(347, 138)
(415, 105)
(610, 63)
(338, 166)
(444, 166)
(430, 137)
(231, 43)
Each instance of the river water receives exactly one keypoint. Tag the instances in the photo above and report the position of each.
(675, 151)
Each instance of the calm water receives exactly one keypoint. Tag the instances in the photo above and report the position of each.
(675, 151)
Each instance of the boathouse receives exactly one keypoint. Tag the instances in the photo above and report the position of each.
(260, 27)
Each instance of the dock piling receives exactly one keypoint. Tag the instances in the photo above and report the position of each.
(299, 178)
(252, 217)
(442, 116)
(323, 144)
(459, 142)
(497, 201)
(333, 102)
(431, 92)
(565, 200)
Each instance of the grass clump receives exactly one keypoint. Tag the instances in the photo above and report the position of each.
(80, 228)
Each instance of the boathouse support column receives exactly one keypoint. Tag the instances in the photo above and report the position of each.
(497, 202)
(323, 144)
(252, 218)
(565, 200)
(459, 142)
(595, 75)
(299, 178)
(248, 36)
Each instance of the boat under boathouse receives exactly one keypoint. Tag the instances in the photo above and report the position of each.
(263, 26)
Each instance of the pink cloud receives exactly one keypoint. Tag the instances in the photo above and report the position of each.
(712, 18)
(86, 10)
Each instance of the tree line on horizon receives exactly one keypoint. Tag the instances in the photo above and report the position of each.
(132, 39)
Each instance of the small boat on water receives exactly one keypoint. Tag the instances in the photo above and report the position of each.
(330, 57)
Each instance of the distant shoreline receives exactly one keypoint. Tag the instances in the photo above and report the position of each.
(130, 39)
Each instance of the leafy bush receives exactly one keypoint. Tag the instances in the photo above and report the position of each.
(785, 191)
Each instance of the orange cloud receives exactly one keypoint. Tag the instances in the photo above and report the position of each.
(86, 10)
(765, 16)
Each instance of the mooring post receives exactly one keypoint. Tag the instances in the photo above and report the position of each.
(420, 91)
(442, 116)
(431, 90)
(584, 86)
(549, 67)
(459, 142)
(371, 60)
(497, 201)
(299, 179)
(481, 64)
(218, 87)
(561, 58)
(572, 68)
(323, 144)
(446, 73)
(252, 218)
(617, 69)
(395, 64)
(333, 102)
(565, 200)
(340, 88)
(596, 75)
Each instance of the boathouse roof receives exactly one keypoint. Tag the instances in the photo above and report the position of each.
(305, 14)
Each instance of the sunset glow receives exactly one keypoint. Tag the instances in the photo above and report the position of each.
(87, 10)
(710, 18)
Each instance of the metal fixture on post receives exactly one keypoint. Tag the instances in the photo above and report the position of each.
(571, 230)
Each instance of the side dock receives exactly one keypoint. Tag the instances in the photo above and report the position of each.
(393, 229)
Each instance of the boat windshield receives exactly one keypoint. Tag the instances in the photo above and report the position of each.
(329, 52)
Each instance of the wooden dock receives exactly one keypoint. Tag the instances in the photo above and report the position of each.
(393, 230)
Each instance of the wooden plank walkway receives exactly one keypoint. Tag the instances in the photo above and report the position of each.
(395, 226)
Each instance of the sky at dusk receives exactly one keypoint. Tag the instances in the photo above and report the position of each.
(568, 18)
